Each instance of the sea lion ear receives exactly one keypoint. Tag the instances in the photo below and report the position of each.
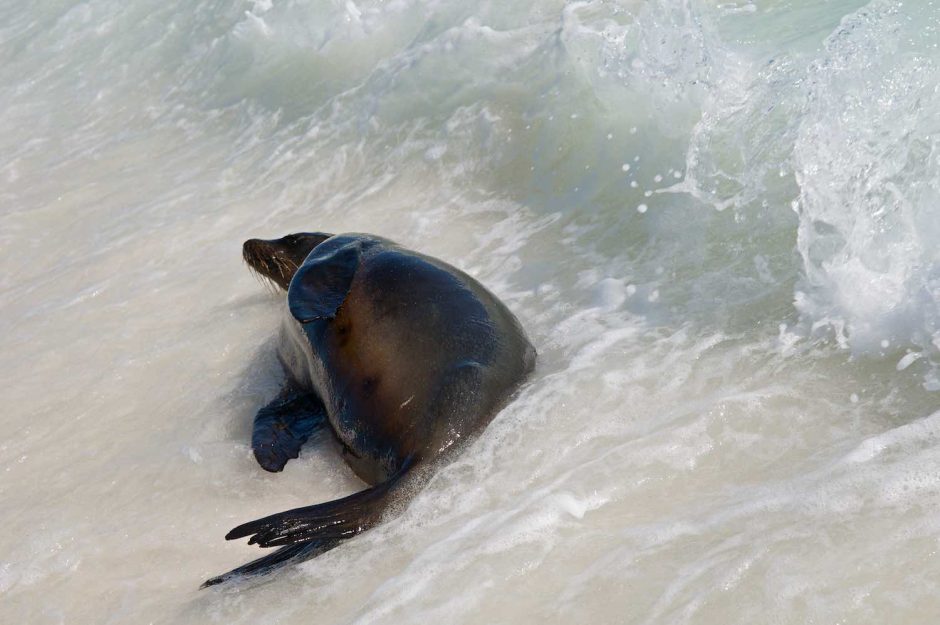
(322, 283)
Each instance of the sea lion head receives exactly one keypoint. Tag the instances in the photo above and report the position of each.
(278, 259)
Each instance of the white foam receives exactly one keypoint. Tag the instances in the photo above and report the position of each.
(733, 417)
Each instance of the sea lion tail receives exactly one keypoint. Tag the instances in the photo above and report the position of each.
(282, 557)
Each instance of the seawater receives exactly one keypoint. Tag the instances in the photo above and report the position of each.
(718, 221)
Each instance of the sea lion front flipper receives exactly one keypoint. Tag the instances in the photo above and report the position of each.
(322, 283)
(338, 519)
(283, 426)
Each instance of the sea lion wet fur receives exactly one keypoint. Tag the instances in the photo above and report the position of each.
(401, 356)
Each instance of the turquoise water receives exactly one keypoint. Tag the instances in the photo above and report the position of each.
(718, 222)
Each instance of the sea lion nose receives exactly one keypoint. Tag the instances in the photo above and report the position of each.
(267, 259)
(255, 251)
(252, 247)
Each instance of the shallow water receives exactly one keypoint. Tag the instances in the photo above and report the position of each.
(718, 221)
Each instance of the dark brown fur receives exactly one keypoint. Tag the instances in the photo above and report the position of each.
(408, 357)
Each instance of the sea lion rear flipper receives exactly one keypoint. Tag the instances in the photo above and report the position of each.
(283, 426)
(338, 519)
(283, 556)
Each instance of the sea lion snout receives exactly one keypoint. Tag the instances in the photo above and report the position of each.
(278, 259)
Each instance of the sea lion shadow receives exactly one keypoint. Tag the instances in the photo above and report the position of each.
(260, 377)
(255, 384)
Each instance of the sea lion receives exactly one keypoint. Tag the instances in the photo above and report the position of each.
(401, 355)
